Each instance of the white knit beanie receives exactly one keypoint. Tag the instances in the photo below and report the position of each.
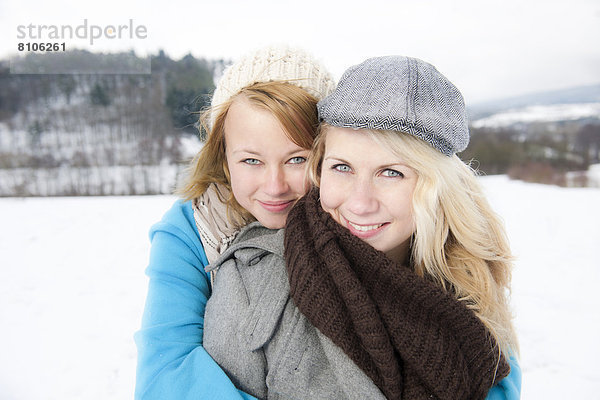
(274, 63)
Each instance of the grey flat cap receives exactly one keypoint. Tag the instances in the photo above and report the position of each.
(400, 94)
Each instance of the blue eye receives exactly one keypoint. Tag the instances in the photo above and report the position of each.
(392, 173)
(297, 160)
(342, 168)
(251, 161)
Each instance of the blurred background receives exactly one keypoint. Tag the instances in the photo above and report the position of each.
(95, 133)
(529, 71)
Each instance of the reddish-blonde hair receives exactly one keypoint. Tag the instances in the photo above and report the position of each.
(292, 106)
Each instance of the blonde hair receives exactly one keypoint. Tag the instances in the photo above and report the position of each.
(459, 242)
(292, 106)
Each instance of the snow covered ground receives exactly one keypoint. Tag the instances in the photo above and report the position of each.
(72, 289)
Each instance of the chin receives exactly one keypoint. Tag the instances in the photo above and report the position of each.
(272, 223)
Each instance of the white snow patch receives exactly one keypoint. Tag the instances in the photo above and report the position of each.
(546, 113)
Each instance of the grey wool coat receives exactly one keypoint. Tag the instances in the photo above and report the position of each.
(256, 334)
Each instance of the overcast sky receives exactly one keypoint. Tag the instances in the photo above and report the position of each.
(489, 49)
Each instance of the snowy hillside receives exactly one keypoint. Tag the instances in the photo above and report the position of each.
(540, 113)
(571, 95)
(72, 289)
(99, 134)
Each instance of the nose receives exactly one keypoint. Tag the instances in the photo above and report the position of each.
(362, 198)
(275, 182)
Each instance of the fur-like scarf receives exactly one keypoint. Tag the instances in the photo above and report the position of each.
(414, 340)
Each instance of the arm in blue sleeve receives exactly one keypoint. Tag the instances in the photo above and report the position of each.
(172, 364)
(508, 388)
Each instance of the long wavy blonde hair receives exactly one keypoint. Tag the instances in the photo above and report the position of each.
(459, 242)
(292, 106)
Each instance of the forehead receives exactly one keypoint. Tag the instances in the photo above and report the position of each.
(359, 142)
(255, 129)
(245, 116)
(247, 112)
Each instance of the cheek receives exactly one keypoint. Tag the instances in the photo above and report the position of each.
(234, 175)
(330, 193)
(242, 182)
(401, 203)
(297, 181)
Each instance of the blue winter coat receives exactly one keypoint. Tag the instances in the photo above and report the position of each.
(172, 364)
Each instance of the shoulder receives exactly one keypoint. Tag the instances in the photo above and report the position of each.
(254, 250)
(257, 236)
(177, 229)
(178, 220)
(508, 388)
(252, 268)
(180, 216)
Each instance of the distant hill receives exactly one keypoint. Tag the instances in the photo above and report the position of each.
(538, 137)
(576, 113)
(575, 95)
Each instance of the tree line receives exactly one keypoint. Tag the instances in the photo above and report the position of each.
(103, 134)
(96, 124)
(541, 152)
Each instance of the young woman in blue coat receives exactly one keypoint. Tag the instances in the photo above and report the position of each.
(261, 126)
(172, 362)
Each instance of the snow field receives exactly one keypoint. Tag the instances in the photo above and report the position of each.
(72, 290)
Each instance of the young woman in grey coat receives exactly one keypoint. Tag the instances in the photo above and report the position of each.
(390, 278)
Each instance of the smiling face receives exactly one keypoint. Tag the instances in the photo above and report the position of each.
(368, 190)
(267, 170)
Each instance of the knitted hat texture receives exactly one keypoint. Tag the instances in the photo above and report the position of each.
(400, 94)
(274, 63)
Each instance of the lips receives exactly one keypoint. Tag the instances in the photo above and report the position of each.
(365, 231)
(276, 206)
(364, 228)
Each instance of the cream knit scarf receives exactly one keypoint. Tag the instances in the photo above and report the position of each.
(210, 215)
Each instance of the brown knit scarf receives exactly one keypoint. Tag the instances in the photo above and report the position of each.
(410, 337)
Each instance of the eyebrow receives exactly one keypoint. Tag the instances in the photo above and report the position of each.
(336, 159)
(245, 151)
(341, 160)
(257, 153)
